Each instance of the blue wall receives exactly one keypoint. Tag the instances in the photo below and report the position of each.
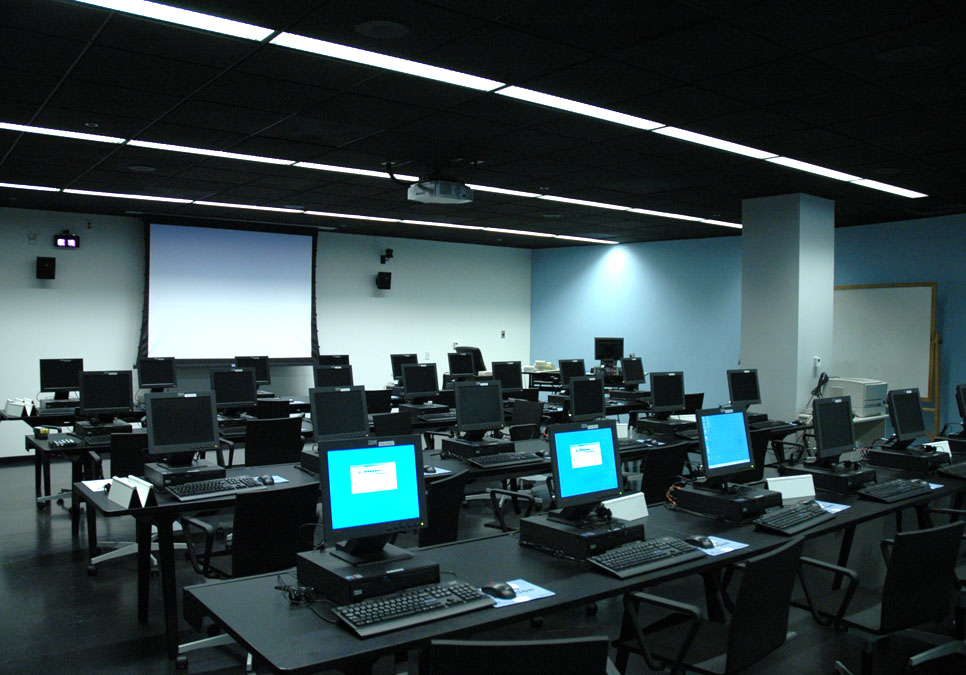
(677, 304)
(916, 251)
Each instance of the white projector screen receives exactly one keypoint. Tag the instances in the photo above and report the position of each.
(216, 293)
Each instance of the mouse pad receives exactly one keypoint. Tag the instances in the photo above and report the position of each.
(525, 592)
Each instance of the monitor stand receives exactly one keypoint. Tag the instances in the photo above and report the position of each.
(369, 550)
(838, 477)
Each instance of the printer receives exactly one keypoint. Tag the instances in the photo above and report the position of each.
(868, 396)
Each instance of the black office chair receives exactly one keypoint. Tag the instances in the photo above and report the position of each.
(392, 424)
(272, 408)
(660, 468)
(583, 655)
(378, 401)
(525, 420)
(758, 626)
(444, 499)
(273, 441)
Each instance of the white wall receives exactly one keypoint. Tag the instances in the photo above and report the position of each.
(440, 293)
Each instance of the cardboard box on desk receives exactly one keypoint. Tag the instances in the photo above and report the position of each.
(131, 492)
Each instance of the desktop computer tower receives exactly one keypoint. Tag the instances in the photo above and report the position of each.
(832, 480)
(649, 425)
(344, 583)
(574, 540)
(463, 449)
(915, 461)
(746, 504)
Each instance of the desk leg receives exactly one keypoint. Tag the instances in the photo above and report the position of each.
(169, 596)
(144, 567)
(91, 525)
(76, 475)
(45, 459)
(922, 516)
(38, 463)
(847, 536)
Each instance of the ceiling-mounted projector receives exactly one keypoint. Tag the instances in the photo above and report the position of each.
(440, 192)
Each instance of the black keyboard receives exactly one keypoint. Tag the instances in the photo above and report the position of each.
(895, 490)
(411, 607)
(954, 470)
(200, 489)
(635, 443)
(789, 520)
(638, 557)
(438, 417)
(503, 459)
(767, 424)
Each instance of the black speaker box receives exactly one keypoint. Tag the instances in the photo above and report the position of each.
(384, 281)
(46, 267)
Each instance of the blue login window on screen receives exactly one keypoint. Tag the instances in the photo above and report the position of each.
(725, 439)
(586, 461)
(372, 485)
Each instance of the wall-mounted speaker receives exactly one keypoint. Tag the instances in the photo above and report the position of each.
(384, 281)
(46, 267)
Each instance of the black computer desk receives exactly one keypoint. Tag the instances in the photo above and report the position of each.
(162, 517)
(82, 468)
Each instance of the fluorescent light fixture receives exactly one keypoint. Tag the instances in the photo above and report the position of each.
(664, 214)
(351, 216)
(20, 186)
(584, 202)
(211, 153)
(348, 169)
(184, 17)
(502, 191)
(885, 187)
(377, 60)
(63, 133)
(712, 142)
(277, 209)
(432, 223)
(579, 108)
(724, 223)
(526, 233)
(586, 240)
(812, 168)
(124, 195)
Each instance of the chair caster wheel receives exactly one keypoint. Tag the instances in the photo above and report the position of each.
(91, 570)
(60, 502)
(181, 663)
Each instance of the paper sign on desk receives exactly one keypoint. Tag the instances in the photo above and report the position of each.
(438, 471)
(723, 546)
(97, 485)
(131, 492)
(525, 593)
(831, 507)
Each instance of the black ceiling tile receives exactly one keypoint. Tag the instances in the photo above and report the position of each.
(108, 124)
(604, 82)
(274, 61)
(61, 20)
(218, 117)
(90, 97)
(269, 146)
(19, 52)
(748, 127)
(273, 14)
(842, 104)
(932, 88)
(682, 104)
(780, 80)
(220, 171)
(25, 87)
(912, 132)
(412, 90)
(800, 143)
(248, 90)
(191, 136)
(853, 157)
(142, 72)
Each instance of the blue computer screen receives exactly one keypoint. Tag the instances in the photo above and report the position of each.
(372, 485)
(586, 461)
(725, 440)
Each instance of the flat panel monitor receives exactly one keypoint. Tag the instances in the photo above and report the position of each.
(586, 398)
(905, 413)
(371, 490)
(157, 373)
(332, 360)
(633, 371)
(585, 466)
(460, 363)
(333, 376)
(478, 363)
(339, 412)
(832, 421)
(398, 361)
(60, 376)
(667, 392)
(725, 443)
(961, 402)
(571, 368)
(608, 349)
(510, 375)
(181, 424)
(479, 407)
(743, 388)
(419, 380)
(259, 363)
(378, 401)
(104, 393)
(234, 387)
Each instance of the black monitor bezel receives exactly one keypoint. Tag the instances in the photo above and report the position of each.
(45, 386)
(126, 377)
(735, 373)
(820, 427)
(397, 361)
(452, 357)
(375, 529)
(905, 435)
(317, 416)
(636, 360)
(332, 360)
(230, 405)
(168, 361)
(565, 376)
(181, 448)
(318, 370)
(459, 389)
(418, 394)
(719, 473)
(256, 363)
(513, 369)
(577, 413)
(663, 407)
(588, 497)
(603, 349)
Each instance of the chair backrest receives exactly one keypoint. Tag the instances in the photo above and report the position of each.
(444, 498)
(269, 408)
(273, 441)
(266, 531)
(129, 452)
(392, 424)
(759, 622)
(527, 413)
(378, 401)
(659, 469)
(585, 655)
(919, 581)
(693, 402)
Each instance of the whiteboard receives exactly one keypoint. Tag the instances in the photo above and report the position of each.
(885, 332)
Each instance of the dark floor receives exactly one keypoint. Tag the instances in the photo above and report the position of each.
(57, 619)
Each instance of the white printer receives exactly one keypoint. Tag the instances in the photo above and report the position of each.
(868, 396)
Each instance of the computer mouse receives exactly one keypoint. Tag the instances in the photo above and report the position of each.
(499, 589)
(542, 453)
(267, 480)
(429, 469)
(700, 541)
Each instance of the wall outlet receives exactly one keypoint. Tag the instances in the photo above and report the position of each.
(503, 334)
(427, 357)
(816, 361)
(32, 238)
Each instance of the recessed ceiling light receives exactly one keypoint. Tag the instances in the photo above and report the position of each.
(124, 195)
(584, 202)
(351, 216)
(349, 169)
(211, 153)
(252, 207)
(61, 133)
(501, 191)
(91, 125)
(184, 17)
(712, 142)
(382, 29)
(578, 107)
(141, 168)
(812, 168)
(885, 187)
(20, 186)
